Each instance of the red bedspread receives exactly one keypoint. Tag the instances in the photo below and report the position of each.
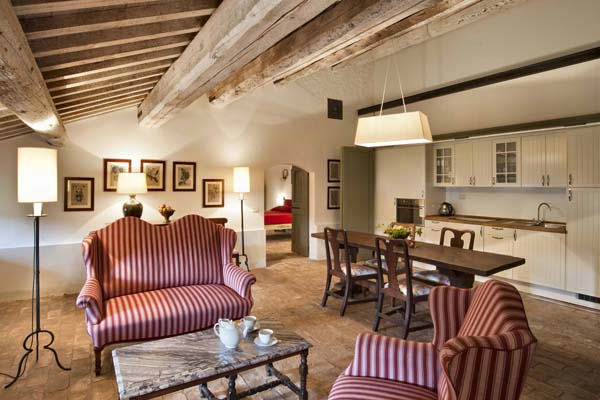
(277, 218)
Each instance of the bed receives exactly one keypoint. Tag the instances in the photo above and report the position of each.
(280, 217)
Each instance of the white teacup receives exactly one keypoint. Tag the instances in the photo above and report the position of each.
(265, 335)
(249, 321)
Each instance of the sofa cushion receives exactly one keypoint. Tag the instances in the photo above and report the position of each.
(353, 387)
(167, 312)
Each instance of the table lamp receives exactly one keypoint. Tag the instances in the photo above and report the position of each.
(37, 176)
(132, 183)
(241, 185)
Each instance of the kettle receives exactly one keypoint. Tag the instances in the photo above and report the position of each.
(446, 209)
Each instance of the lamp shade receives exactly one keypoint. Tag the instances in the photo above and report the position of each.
(132, 183)
(241, 179)
(393, 130)
(37, 173)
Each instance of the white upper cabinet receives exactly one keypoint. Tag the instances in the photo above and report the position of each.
(463, 164)
(584, 157)
(482, 163)
(443, 155)
(506, 162)
(544, 160)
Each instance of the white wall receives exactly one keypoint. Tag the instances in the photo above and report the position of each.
(276, 186)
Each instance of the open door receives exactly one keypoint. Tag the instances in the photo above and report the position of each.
(300, 211)
(358, 189)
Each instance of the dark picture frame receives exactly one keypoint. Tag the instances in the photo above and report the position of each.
(110, 182)
(69, 205)
(333, 197)
(208, 200)
(333, 170)
(181, 181)
(156, 182)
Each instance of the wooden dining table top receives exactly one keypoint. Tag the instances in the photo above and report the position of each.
(451, 258)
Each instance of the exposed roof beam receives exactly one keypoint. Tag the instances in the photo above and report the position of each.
(22, 88)
(338, 27)
(101, 100)
(101, 110)
(128, 87)
(238, 32)
(102, 104)
(57, 25)
(29, 9)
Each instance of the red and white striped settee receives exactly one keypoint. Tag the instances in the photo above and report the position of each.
(146, 281)
(481, 350)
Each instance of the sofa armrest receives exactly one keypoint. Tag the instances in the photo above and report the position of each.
(378, 356)
(448, 306)
(238, 279)
(91, 299)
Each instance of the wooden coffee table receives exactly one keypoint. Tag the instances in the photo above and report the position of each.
(158, 367)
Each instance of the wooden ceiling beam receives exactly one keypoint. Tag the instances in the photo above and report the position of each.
(22, 88)
(27, 131)
(338, 27)
(67, 24)
(76, 59)
(128, 87)
(238, 32)
(114, 37)
(67, 113)
(31, 9)
(100, 110)
(108, 85)
(100, 100)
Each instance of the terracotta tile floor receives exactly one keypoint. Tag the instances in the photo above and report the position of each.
(566, 365)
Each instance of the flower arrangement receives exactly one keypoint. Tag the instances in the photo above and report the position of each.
(396, 231)
(166, 211)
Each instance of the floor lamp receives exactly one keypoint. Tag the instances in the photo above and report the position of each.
(37, 184)
(241, 185)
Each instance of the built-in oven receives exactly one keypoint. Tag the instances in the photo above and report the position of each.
(409, 211)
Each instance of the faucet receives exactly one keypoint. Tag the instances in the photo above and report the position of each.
(541, 221)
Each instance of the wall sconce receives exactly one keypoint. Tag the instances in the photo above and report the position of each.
(285, 173)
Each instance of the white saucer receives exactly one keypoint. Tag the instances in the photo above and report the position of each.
(273, 341)
(256, 326)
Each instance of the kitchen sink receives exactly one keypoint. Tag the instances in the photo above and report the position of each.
(549, 225)
(472, 219)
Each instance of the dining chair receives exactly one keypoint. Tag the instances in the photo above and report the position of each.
(399, 285)
(413, 232)
(351, 275)
(439, 277)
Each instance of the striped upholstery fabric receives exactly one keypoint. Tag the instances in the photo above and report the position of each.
(238, 280)
(359, 388)
(482, 349)
(166, 312)
(90, 298)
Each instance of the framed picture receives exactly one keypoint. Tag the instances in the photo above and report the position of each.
(112, 168)
(155, 171)
(184, 176)
(79, 194)
(333, 170)
(213, 193)
(333, 198)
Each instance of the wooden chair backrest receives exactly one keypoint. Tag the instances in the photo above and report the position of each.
(397, 258)
(457, 238)
(218, 221)
(333, 245)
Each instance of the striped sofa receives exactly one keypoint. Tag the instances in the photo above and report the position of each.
(146, 281)
(481, 350)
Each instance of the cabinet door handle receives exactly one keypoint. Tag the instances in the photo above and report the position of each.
(570, 179)
(473, 181)
(497, 238)
(497, 229)
(547, 179)
(570, 194)
(481, 231)
(435, 230)
(453, 180)
(515, 235)
(543, 180)
(493, 180)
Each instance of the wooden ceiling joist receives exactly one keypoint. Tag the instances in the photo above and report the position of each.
(106, 103)
(22, 88)
(80, 105)
(100, 110)
(100, 93)
(28, 8)
(338, 27)
(93, 89)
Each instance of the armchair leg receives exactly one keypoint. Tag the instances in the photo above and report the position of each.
(327, 289)
(98, 361)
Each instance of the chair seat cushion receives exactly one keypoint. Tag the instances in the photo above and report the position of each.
(433, 276)
(167, 312)
(355, 388)
(418, 288)
(360, 270)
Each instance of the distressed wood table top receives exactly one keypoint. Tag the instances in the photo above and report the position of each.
(175, 363)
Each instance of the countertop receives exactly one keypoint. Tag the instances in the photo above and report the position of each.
(499, 222)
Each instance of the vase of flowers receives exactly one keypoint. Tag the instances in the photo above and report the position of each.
(166, 211)
(406, 232)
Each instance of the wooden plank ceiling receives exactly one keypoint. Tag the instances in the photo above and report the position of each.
(99, 56)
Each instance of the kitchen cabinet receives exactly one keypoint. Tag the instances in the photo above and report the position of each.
(544, 253)
(499, 240)
(583, 241)
(544, 160)
(584, 157)
(473, 163)
(443, 164)
(506, 162)
(433, 231)
(464, 164)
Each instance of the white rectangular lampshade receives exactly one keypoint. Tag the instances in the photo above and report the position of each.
(393, 130)
(241, 180)
(132, 183)
(37, 173)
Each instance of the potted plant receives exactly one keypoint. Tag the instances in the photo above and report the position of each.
(406, 232)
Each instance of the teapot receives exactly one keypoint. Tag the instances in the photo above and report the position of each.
(228, 332)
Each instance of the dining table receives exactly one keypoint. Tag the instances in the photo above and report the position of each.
(461, 265)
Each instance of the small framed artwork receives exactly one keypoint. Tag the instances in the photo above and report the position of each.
(184, 176)
(79, 194)
(333, 170)
(213, 193)
(112, 168)
(333, 198)
(155, 171)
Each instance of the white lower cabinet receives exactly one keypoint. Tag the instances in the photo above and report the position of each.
(544, 253)
(433, 231)
(500, 241)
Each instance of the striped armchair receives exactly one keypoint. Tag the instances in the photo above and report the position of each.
(481, 350)
(147, 282)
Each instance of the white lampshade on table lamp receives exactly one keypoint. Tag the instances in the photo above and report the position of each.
(37, 183)
(132, 183)
(241, 185)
